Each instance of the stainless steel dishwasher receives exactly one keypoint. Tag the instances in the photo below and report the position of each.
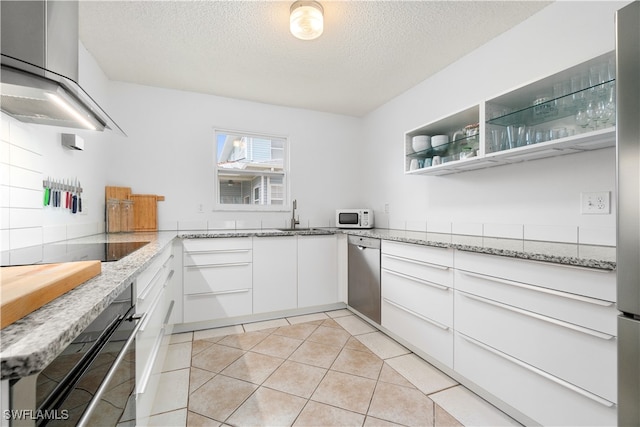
(364, 276)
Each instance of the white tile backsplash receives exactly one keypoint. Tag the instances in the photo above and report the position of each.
(605, 236)
(507, 231)
(439, 227)
(192, 225)
(221, 225)
(551, 233)
(416, 225)
(54, 233)
(467, 229)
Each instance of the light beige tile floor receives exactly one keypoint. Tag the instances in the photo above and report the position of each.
(323, 369)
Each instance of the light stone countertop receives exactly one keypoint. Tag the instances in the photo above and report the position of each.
(31, 343)
(581, 255)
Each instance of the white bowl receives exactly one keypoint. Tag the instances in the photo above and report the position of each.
(420, 143)
(438, 140)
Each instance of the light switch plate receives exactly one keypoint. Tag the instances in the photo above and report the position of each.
(595, 203)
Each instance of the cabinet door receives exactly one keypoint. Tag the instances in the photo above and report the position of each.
(317, 270)
(274, 274)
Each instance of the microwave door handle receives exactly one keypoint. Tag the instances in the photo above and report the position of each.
(112, 371)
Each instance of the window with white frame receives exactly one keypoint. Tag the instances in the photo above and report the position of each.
(251, 171)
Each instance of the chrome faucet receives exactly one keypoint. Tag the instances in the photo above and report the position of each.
(294, 221)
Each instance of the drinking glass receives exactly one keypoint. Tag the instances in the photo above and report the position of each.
(582, 119)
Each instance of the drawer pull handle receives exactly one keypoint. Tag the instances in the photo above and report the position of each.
(567, 325)
(540, 372)
(222, 251)
(233, 264)
(97, 397)
(541, 289)
(144, 379)
(413, 261)
(146, 290)
(415, 279)
(168, 260)
(152, 309)
(419, 316)
(233, 291)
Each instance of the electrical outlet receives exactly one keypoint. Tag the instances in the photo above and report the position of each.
(200, 208)
(595, 203)
(386, 208)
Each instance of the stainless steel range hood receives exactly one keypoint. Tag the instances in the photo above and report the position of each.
(38, 79)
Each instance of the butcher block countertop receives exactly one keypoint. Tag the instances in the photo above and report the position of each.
(26, 288)
(32, 342)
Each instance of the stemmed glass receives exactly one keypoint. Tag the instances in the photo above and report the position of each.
(582, 119)
(591, 112)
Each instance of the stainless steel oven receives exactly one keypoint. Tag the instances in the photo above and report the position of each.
(92, 381)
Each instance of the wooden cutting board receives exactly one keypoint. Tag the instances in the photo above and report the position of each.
(145, 211)
(26, 288)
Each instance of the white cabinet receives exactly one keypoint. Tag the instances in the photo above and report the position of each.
(274, 273)
(568, 112)
(154, 298)
(217, 278)
(532, 330)
(317, 270)
(417, 297)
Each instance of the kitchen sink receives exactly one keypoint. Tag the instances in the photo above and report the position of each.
(294, 229)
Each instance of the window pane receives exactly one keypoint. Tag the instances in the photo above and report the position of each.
(250, 169)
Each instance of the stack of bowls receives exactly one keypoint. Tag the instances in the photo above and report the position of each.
(439, 142)
(420, 143)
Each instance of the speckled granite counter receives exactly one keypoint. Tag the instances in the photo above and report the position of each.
(592, 256)
(29, 344)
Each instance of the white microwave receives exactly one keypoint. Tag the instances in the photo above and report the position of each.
(354, 218)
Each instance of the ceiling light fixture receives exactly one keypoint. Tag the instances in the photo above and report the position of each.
(306, 22)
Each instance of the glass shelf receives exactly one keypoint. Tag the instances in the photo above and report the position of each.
(455, 147)
(547, 110)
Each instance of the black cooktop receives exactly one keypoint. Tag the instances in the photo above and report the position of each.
(67, 252)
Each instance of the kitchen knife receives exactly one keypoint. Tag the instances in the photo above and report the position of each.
(79, 197)
(47, 191)
(74, 201)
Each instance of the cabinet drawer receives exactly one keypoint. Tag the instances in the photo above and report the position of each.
(591, 282)
(431, 300)
(152, 272)
(203, 245)
(148, 334)
(590, 312)
(432, 338)
(578, 355)
(427, 254)
(546, 399)
(149, 293)
(434, 273)
(216, 278)
(215, 257)
(217, 305)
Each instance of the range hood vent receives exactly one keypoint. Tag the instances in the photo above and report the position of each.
(38, 79)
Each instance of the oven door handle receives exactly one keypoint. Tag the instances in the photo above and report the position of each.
(103, 386)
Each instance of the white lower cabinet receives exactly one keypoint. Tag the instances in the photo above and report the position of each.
(317, 270)
(417, 297)
(217, 278)
(534, 341)
(155, 301)
(274, 273)
(545, 398)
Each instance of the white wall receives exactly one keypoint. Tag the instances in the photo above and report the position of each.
(523, 196)
(169, 151)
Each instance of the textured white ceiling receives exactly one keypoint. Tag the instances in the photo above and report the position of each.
(370, 52)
